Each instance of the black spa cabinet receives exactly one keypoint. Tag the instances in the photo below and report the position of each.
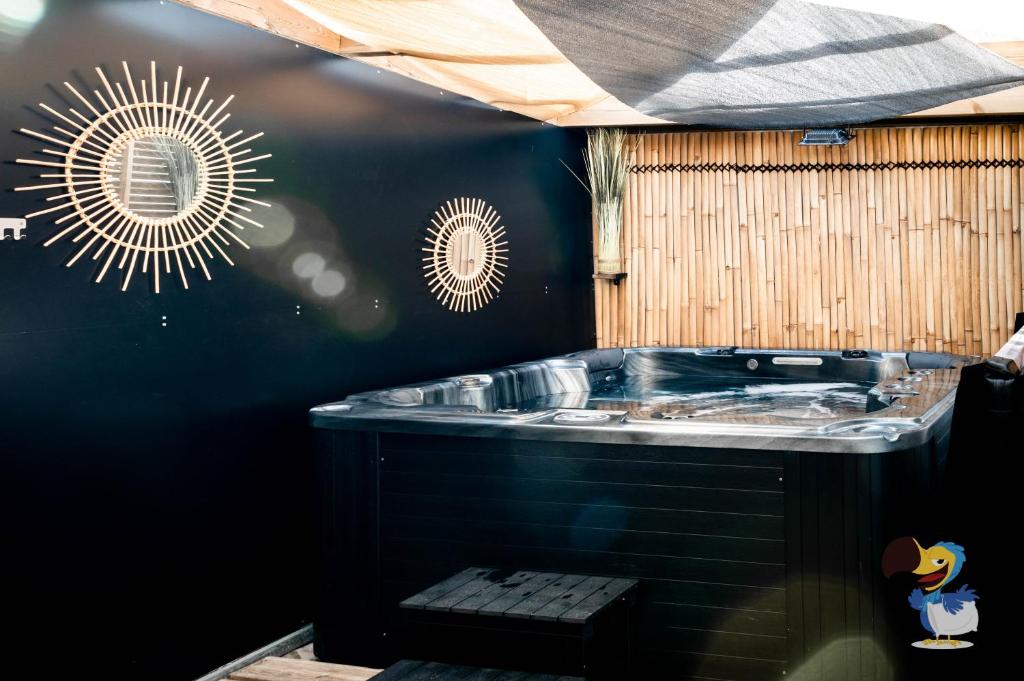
(757, 549)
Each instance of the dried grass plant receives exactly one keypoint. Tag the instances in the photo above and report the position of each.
(607, 160)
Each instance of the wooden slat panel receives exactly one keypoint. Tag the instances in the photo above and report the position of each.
(598, 516)
(625, 495)
(764, 251)
(759, 478)
(706, 547)
(708, 551)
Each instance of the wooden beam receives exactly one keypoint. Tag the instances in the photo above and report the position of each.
(607, 111)
(274, 16)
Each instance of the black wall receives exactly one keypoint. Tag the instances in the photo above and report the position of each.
(156, 479)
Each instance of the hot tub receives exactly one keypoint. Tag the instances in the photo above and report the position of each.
(750, 491)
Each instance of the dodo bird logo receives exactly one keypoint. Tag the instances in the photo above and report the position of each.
(942, 614)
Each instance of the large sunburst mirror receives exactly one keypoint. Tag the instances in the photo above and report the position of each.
(465, 254)
(146, 179)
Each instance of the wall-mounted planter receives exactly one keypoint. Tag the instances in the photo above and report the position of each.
(614, 277)
(607, 160)
(608, 216)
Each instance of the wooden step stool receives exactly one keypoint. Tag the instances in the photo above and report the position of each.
(544, 622)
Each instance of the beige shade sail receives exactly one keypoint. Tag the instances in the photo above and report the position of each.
(484, 49)
(490, 51)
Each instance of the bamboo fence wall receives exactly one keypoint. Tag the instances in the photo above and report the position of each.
(908, 238)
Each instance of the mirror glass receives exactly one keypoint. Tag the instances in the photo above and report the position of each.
(155, 176)
(464, 252)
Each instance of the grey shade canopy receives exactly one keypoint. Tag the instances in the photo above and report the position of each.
(766, 63)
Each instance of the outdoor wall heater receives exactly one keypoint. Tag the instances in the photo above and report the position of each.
(819, 137)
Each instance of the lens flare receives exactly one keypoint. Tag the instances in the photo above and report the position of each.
(22, 11)
(329, 283)
(17, 19)
(309, 265)
(278, 224)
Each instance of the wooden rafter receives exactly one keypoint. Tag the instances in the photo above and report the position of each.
(275, 16)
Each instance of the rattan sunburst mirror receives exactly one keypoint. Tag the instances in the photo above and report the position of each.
(144, 170)
(466, 255)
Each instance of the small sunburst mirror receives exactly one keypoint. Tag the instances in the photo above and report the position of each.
(146, 177)
(466, 254)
